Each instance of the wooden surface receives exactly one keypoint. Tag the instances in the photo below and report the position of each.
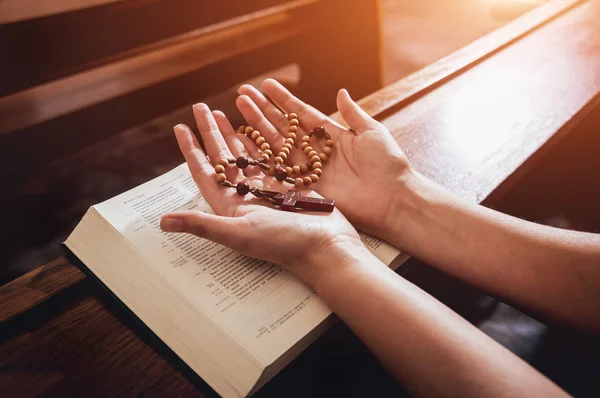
(473, 134)
(154, 64)
(432, 76)
(19, 10)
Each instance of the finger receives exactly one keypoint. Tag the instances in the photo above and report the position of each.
(255, 118)
(271, 112)
(200, 168)
(308, 116)
(356, 118)
(228, 231)
(216, 147)
(236, 146)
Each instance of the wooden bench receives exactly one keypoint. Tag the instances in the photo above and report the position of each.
(475, 122)
(120, 64)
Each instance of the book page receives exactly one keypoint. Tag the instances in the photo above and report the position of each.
(263, 305)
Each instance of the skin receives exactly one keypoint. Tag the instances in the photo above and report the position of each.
(431, 350)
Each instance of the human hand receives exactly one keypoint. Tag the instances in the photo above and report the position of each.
(366, 171)
(245, 223)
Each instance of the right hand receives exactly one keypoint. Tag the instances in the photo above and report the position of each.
(367, 172)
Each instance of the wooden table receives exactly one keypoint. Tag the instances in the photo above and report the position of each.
(475, 122)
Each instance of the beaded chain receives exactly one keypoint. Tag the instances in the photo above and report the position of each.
(282, 172)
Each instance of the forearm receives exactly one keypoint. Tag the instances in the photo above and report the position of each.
(551, 271)
(425, 345)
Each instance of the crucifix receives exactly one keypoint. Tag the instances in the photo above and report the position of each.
(292, 200)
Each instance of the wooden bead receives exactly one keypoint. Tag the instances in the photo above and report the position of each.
(296, 169)
(305, 138)
(289, 171)
(241, 162)
(319, 132)
(308, 149)
(248, 130)
(221, 178)
(219, 169)
(278, 160)
(268, 152)
(290, 141)
(224, 162)
(327, 150)
(294, 122)
(280, 174)
(255, 134)
(265, 146)
(303, 168)
(288, 146)
(241, 130)
(292, 136)
(315, 159)
(307, 181)
(304, 145)
(299, 182)
(264, 157)
(318, 172)
(290, 180)
(271, 170)
(292, 116)
(285, 150)
(283, 155)
(293, 129)
(323, 157)
(260, 141)
(312, 153)
(329, 143)
(317, 165)
(314, 178)
(242, 188)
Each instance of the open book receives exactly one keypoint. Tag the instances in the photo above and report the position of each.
(236, 321)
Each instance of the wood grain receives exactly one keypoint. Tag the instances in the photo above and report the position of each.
(152, 65)
(409, 88)
(470, 134)
(37, 286)
(475, 131)
(19, 10)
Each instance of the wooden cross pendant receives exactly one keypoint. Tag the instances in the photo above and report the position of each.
(292, 200)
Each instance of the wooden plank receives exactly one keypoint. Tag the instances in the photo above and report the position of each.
(478, 129)
(409, 88)
(152, 65)
(37, 286)
(20, 10)
(40, 50)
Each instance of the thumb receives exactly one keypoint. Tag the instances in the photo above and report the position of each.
(356, 118)
(228, 231)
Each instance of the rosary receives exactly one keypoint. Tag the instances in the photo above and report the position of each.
(291, 200)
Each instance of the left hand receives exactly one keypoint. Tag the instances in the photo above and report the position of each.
(245, 223)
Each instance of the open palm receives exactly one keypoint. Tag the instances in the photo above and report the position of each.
(246, 223)
(365, 160)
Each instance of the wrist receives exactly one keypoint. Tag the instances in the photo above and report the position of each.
(340, 256)
(412, 195)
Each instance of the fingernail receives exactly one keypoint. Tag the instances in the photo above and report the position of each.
(171, 224)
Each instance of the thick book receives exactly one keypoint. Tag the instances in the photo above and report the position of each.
(234, 320)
